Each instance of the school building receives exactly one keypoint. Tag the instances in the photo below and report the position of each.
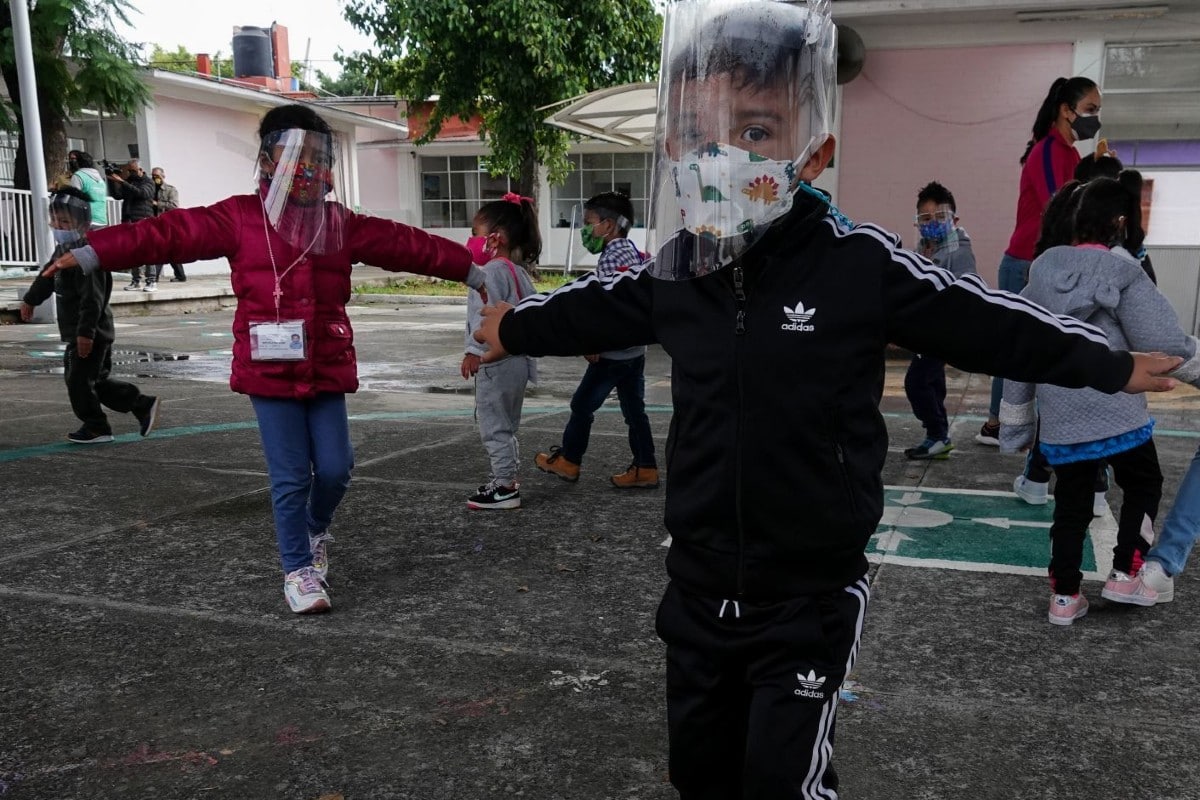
(948, 91)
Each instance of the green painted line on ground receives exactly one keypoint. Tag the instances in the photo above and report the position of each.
(55, 448)
(967, 526)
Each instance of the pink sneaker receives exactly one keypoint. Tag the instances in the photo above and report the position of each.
(1122, 588)
(1066, 608)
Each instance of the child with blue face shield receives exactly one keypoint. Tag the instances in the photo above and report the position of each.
(776, 312)
(946, 244)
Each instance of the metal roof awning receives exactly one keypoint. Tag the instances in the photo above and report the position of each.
(621, 114)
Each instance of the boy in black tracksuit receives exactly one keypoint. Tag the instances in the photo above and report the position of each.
(85, 323)
(776, 446)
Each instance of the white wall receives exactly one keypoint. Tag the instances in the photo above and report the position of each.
(1174, 207)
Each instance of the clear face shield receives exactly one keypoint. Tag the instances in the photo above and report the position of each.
(296, 179)
(70, 219)
(935, 224)
(745, 97)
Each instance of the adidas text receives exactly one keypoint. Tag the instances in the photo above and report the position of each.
(796, 326)
(809, 693)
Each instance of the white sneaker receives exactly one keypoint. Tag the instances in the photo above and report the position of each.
(1156, 578)
(304, 592)
(318, 546)
(1032, 492)
(1099, 505)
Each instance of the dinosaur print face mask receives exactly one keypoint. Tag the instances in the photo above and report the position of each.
(723, 191)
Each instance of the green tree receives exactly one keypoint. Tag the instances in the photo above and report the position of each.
(80, 61)
(353, 80)
(182, 60)
(504, 59)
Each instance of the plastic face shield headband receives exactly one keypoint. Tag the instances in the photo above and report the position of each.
(66, 209)
(745, 98)
(295, 168)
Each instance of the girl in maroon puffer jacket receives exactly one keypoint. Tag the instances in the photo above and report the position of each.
(290, 251)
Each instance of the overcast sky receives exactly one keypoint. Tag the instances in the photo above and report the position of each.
(207, 26)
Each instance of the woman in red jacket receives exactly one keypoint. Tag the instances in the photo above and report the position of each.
(1070, 113)
(290, 251)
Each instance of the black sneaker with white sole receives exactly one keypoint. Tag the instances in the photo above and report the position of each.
(494, 495)
(85, 436)
(146, 413)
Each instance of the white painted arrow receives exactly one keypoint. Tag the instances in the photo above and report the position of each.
(1006, 523)
(890, 541)
(908, 499)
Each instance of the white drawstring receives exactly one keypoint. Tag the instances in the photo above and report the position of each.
(737, 609)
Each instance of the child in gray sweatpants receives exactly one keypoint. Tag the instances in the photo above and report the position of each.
(504, 236)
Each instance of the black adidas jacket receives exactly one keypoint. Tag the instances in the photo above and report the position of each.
(776, 447)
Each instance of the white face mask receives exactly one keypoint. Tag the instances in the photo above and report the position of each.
(723, 191)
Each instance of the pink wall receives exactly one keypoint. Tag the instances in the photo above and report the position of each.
(960, 116)
(207, 152)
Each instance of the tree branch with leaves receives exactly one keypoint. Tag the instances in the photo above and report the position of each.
(504, 59)
(80, 62)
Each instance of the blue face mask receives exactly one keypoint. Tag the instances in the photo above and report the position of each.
(936, 231)
(62, 237)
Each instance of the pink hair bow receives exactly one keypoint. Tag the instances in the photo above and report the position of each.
(513, 197)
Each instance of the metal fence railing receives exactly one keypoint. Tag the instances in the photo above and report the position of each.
(18, 247)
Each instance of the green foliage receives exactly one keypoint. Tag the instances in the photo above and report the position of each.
(504, 59)
(79, 58)
(353, 82)
(184, 61)
(80, 62)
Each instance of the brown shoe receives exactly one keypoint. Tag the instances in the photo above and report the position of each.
(636, 478)
(556, 463)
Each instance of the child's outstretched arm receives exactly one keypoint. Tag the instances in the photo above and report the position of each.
(979, 329)
(588, 315)
(1150, 324)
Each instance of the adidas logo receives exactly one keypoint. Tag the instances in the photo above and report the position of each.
(812, 685)
(798, 318)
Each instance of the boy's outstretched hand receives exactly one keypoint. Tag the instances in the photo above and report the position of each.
(65, 261)
(488, 331)
(1150, 371)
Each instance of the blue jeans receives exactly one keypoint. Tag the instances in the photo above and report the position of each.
(1182, 524)
(1014, 274)
(628, 378)
(309, 458)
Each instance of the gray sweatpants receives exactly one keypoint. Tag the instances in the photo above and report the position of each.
(499, 395)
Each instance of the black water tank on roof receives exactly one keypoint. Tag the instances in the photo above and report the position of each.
(252, 53)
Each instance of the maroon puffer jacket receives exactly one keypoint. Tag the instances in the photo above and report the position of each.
(315, 290)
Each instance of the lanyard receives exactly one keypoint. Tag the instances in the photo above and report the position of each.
(278, 293)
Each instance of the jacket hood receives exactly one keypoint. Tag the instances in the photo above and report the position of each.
(1081, 281)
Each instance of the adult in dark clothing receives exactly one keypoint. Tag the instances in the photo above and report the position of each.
(166, 197)
(85, 323)
(133, 187)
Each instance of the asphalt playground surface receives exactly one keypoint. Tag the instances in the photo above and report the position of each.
(147, 651)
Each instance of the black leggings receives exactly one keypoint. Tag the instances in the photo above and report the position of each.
(1137, 472)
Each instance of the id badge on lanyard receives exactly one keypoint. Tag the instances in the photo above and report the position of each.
(278, 341)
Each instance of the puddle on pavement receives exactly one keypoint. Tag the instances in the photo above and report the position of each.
(209, 366)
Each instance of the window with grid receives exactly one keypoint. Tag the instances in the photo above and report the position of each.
(594, 173)
(453, 188)
(1152, 91)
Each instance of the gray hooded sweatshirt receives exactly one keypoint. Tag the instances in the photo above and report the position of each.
(1110, 290)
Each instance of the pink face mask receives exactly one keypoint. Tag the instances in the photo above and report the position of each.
(480, 252)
